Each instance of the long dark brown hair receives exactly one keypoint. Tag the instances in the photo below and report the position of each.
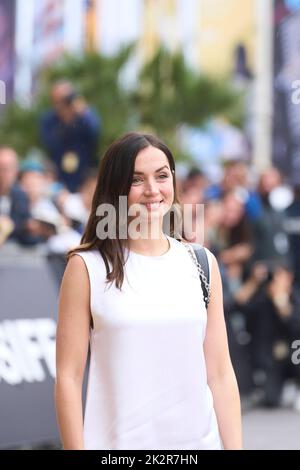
(114, 180)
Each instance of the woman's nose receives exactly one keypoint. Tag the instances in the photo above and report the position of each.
(151, 187)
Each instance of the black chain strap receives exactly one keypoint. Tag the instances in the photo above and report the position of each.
(204, 282)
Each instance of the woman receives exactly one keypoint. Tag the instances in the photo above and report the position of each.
(160, 375)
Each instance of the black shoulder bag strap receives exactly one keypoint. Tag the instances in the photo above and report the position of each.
(203, 269)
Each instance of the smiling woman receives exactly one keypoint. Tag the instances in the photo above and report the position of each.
(160, 375)
(152, 189)
(141, 168)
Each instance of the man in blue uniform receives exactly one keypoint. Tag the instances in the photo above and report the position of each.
(70, 132)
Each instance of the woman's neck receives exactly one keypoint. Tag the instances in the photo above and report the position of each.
(150, 247)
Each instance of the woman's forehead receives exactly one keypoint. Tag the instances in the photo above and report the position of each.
(150, 158)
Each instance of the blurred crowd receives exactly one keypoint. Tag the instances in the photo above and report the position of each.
(37, 208)
(251, 224)
(48, 201)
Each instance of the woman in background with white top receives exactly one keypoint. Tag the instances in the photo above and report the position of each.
(160, 375)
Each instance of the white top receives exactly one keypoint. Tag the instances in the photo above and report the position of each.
(147, 386)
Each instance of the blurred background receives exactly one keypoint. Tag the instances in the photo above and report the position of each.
(219, 82)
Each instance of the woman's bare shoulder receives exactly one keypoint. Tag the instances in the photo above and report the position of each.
(76, 273)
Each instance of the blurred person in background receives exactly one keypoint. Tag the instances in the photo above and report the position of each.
(14, 204)
(237, 176)
(46, 224)
(235, 238)
(213, 218)
(271, 304)
(192, 199)
(55, 188)
(271, 240)
(270, 179)
(292, 225)
(44, 216)
(70, 132)
(229, 236)
(77, 206)
(195, 180)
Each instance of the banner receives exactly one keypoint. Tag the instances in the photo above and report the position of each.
(7, 47)
(90, 24)
(223, 25)
(28, 311)
(286, 117)
(118, 24)
(48, 31)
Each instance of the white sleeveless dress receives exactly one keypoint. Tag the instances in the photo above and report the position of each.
(147, 384)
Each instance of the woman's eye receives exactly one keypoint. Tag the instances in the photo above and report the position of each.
(163, 176)
(136, 180)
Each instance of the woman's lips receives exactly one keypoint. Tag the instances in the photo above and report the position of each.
(152, 206)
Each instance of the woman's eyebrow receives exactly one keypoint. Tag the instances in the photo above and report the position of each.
(156, 171)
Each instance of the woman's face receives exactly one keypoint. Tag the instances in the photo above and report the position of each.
(33, 183)
(152, 184)
(233, 211)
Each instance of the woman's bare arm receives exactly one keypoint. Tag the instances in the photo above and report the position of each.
(72, 342)
(220, 375)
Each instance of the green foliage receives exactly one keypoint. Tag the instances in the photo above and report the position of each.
(166, 94)
(19, 128)
(170, 93)
(97, 78)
